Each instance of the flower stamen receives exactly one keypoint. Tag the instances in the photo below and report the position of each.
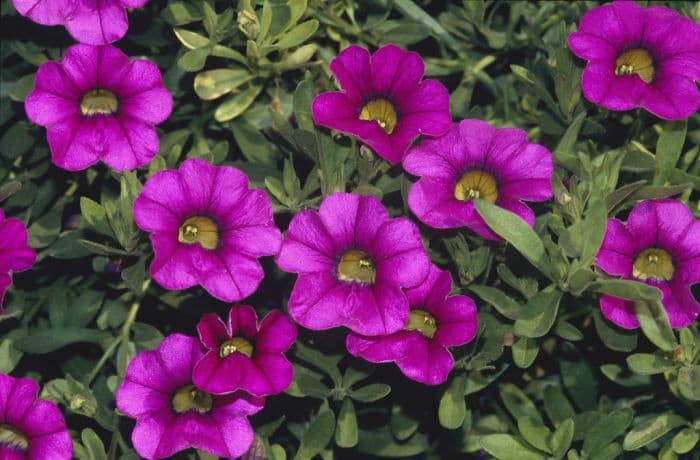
(653, 263)
(189, 398)
(476, 184)
(12, 438)
(381, 111)
(356, 266)
(636, 61)
(236, 344)
(99, 102)
(423, 322)
(199, 229)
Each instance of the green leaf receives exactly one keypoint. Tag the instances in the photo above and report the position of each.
(623, 376)
(415, 12)
(689, 381)
(135, 275)
(525, 351)
(298, 35)
(648, 364)
(535, 433)
(651, 430)
(654, 323)
(328, 364)
(381, 443)
(556, 405)
(612, 336)
(507, 447)
(561, 438)
(370, 393)
(503, 303)
(626, 289)
(213, 84)
(402, 425)
(237, 104)
(346, 434)
(48, 340)
(303, 97)
(543, 307)
(8, 189)
(609, 452)
(578, 378)
(45, 231)
(193, 60)
(669, 148)
(517, 232)
(317, 436)
(452, 408)
(684, 441)
(310, 386)
(518, 403)
(606, 430)
(95, 216)
(93, 445)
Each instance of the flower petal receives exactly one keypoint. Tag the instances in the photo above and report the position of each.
(166, 189)
(45, 12)
(682, 308)
(672, 96)
(383, 348)
(352, 219)
(212, 331)
(318, 301)
(217, 375)
(399, 253)
(97, 22)
(152, 106)
(71, 144)
(236, 432)
(427, 108)
(47, 109)
(20, 395)
(277, 333)
(457, 321)
(378, 310)
(395, 71)
(601, 86)
(172, 265)
(307, 247)
(432, 291)
(618, 250)
(352, 70)
(619, 311)
(427, 363)
(242, 320)
(226, 273)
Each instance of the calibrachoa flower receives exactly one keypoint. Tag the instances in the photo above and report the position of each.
(208, 229)
(383, 101)
(95, 22)
(172, 414)
(475, 160)
(353, 262)
(15, 253)
(97, 105)
(244, 355)
(437, 321)
(640, 57)
(30, 429)
(658, 245)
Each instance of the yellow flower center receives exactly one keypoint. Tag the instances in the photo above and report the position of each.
(423, 322)
(99, 102)
(190, 398)
(636, 60)
(12, 437)
(653, 263)
(476, 184)
(356, 266)
(381, 111)
(199, 229)
(236, 344)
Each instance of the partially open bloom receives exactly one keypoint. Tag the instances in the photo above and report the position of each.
(640, 57)
(97, 105)
(172, 414)
(383, 101)
(15, 253)
(658, 245)
(95, 22)
(353, 262)
(208, 228)
(245, 355)
(30, 429)
(437, 321)
(475, 160)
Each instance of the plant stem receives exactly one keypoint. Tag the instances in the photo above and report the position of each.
(126, 329)
(105, 356)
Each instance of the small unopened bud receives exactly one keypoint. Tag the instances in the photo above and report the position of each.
(248, 21)
(563, 197)
(367, 154)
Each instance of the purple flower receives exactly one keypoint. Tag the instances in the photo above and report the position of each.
(475, 160)
(172, 414)
(244, 355)
(99, 106)
(353, 262)
(30, 429)
(208, 229)
(384, 103)
(658, 245)
(15, 253)
(437, 321)
(95, 22)
(640, 57)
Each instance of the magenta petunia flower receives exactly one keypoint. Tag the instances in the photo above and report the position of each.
(353, 262)
(208, 229)
(437, 321)
(172, 414)
(640, 57)
(15, 253)
(475, 160)
(244, 355)
(97, 105)
(30, 429)
(95, 22)
(383, 101)
(658, 245)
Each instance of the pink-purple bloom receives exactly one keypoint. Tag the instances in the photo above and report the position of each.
(383, 101)
(658, 245)
(172, 414)
(640, 57)
(95, 22)
(437, 321)
(244, 355)
(208, 228)
(30, 429)
(98, 105)
(475, 160)
(15, 253)
(353, 262)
